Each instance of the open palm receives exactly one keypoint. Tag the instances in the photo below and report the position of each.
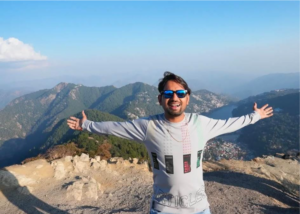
(76, 123)
(263, 111)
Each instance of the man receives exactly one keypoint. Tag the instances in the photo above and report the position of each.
(175, 141)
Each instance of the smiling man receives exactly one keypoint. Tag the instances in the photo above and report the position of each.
(175, 141)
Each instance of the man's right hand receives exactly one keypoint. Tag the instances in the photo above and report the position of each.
(76, 123)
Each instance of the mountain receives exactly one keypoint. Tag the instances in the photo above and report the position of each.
(279, 133)
(266, 83)
(8, 95)
(28, 121)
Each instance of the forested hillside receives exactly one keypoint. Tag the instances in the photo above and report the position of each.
(28, 122)
(278, 133)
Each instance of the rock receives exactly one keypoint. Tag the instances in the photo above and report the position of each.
(68, 158)
(279, 155)
(59, 170)
(126, 163)
(93, 160)
(95, 165)
(84, 186)
(145, 165)
(75, 190)
(80, 166)
(90, 189)
(103, 164)
(120, 161)
(98, 158)
(84, 157)
(286, 156)
(112, 160)
(135, 160)
(258, 160)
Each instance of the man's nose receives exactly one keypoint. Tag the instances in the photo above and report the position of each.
(174, 97)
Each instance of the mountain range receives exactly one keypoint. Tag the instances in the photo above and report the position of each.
(234, 85)
(28, 121)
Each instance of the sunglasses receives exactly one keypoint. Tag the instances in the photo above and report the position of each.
(170, 93)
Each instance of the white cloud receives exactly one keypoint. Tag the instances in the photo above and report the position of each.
(13, 49)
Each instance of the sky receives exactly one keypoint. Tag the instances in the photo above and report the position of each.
(121, 42)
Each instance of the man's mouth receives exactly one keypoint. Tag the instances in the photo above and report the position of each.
(174, 106)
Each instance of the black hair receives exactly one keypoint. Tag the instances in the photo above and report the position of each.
(170, 76)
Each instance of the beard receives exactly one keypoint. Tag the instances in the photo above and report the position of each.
(173, 113)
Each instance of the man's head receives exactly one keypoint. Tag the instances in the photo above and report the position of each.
(173, 104)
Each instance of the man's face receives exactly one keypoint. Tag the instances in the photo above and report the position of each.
(174, 106)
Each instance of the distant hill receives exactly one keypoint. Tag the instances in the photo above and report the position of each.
(8, 95)
(28, 121)
(266, 83)
(279, 133)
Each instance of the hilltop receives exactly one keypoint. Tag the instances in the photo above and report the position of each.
(90, 185)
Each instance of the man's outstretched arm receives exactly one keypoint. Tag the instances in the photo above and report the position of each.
(214, 128)
(133, 130)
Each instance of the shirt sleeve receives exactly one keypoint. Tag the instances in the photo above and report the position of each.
(214, 128)
(132, 130)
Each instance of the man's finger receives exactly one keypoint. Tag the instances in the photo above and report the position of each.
(71, 124)
(255, 106)
(83, 114)
(74, 118)
(269, 110)
(265, 106)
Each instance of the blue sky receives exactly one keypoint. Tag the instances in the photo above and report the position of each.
(111, 38)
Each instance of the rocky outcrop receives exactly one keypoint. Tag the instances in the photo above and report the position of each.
(81, 184)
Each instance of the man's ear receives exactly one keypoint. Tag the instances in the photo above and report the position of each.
(188, 99)
(159, 99)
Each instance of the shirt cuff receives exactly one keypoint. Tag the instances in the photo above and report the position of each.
(256, 114)
(85, 124)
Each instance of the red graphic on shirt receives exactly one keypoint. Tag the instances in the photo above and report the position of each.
(187, 163)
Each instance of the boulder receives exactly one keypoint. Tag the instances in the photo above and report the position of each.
(112, 160)
(85, 186)
(98, 158)
(95, 165)
(84, 157)
(135, 160)
(59, 170)
(103, 164)
(68, 158)
(74, 190)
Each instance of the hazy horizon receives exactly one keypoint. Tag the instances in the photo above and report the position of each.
(117, 43)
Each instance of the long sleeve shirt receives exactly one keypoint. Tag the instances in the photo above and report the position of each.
(176, 151)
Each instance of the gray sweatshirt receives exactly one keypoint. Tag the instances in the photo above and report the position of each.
(176, 151)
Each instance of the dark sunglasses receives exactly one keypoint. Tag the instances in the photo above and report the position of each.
(170, 93)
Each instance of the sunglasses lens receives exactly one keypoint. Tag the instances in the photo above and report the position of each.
(168, 94)
(181, 93)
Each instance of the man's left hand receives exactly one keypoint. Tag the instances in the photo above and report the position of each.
(263, 111)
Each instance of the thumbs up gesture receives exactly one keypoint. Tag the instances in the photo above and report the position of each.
(263, 111)
(76, 123)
